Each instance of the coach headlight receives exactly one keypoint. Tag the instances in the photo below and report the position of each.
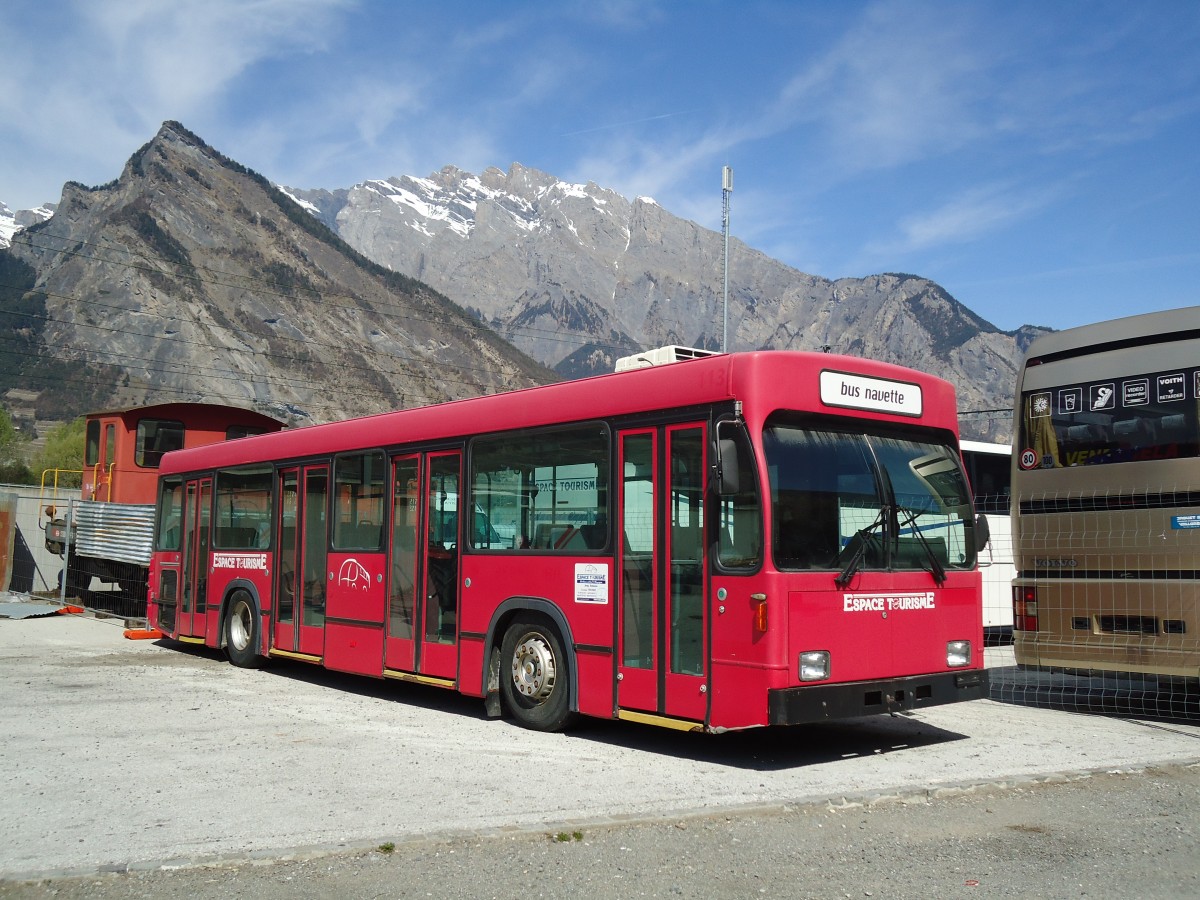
(814, 665)
(958, 654)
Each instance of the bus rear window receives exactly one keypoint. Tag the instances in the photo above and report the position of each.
(1114, 420)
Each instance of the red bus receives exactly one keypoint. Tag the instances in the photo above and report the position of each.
(739, 540)
(113, 524)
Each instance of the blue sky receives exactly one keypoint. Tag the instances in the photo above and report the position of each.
(1038, 160)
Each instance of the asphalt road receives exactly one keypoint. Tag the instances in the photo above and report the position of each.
(194, 778)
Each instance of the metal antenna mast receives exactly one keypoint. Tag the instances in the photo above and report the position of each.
(726, 190)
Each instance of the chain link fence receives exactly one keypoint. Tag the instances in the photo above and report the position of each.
(1106, 604)
(36, 571)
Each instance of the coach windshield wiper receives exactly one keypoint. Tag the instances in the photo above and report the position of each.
(863, 538)
(936, 569)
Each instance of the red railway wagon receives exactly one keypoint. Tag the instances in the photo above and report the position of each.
(113, 523)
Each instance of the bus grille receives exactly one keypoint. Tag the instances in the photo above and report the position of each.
(1128, 624)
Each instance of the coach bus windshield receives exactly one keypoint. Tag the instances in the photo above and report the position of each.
(1113, 420)
(851, 501)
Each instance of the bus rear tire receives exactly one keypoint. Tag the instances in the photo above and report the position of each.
(535, 676)
(241, 632)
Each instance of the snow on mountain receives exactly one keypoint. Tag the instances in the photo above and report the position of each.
(576, 275)
(12, 222)
(8, 225)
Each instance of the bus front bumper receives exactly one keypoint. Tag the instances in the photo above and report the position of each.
(826, 702)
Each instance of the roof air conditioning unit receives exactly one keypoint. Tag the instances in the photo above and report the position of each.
(660, 356)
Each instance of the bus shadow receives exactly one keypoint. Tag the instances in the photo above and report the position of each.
(756, 749)
(416, 695)
(774, 749)
(1169, 701)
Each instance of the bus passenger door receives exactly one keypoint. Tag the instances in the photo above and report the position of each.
(197, 510)
(301, 578)
(662, 586)
(438, 655)
(405, 597)
(423, 570)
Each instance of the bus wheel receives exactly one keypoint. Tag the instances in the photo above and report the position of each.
(241, 632)
(535, 676)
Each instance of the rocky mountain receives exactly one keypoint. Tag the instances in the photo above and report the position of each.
(192, 277)
(577, 275)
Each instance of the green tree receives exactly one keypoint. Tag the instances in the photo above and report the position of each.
(12, 453)
(63, 450)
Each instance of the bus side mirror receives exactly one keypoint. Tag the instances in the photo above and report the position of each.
(727, 468)
(983, 532)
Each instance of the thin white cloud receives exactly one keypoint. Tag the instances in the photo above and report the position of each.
(903, 83)
(121, 67)
(1110, 267)
(966, 217)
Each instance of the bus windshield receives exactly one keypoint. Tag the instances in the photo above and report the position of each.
(849, 501)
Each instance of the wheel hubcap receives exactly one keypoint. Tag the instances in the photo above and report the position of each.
(239, 630)
(533, 670)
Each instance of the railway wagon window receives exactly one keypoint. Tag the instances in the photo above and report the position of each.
(233, 432)
(91, 454)
(154, 438)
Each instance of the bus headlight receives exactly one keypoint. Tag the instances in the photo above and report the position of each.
(958, 654)
(814, 665)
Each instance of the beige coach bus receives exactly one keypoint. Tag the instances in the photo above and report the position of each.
(1106, 483)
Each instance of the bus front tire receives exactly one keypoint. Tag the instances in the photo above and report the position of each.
(535, 676)
(241, 632)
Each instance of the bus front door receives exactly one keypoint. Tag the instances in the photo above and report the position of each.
(197, 511)
(301, 578)
(663, 665)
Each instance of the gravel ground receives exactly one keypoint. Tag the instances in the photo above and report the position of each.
(148, 769)
(1114, 835)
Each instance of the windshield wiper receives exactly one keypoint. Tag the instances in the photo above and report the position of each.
(862, 539)
(935, 565)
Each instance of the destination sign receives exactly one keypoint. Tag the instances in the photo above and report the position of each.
(876, 394)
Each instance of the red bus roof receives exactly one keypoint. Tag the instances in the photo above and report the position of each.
(765, 381)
